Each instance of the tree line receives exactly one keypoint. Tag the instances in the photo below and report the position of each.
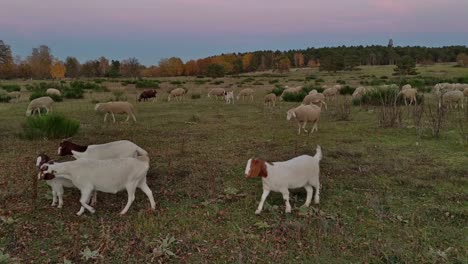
(41, 64)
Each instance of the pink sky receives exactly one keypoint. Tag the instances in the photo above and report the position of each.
(34, 20)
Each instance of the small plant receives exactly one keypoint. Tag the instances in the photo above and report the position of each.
(5, 258)
(196, 96)
(341, 81)
(5, 98)
(87, 254)
(50, 126)
(72, 93)
(164, 247)
(343, 109)
(119, 95)
(11, 87)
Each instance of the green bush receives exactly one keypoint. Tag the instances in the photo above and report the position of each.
(310, 77)
(200, 82)
(147, 84)
(341, 81)
(72, 93)
(11, 87)
(196, 96)
(88, 86)
(384, 77)
(37, 94)
(247, 80)
(347, 90)
(462, 79)
(50, 126)
(176, 82)
(278, 90)
(4, 98)
(273, 81)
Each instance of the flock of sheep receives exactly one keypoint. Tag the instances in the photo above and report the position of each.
(120, 165)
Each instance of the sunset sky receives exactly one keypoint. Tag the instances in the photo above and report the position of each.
(155, 29)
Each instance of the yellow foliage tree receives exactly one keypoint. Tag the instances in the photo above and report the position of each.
(191, 68)
(246, 59)
(57, 70)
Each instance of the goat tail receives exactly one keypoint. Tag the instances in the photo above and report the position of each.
(318, 154)
(141, 152)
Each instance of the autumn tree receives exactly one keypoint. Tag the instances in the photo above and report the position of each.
(40, 61)
(282, 63)
(191, 68)
(103, 66)
(215, 70)
(7, 66)
(130, 67)
(72, 67)
(246, 59)
(57, 70)
(298, 60)
(462, 60)
(171, 67)
(89, 68)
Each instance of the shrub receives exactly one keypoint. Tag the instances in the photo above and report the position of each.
(319, 80)
(196, 96)
(384, 77)
(50, 126)
(147, 84)
(200, 82)
(273, 81)
(278, 90)
(347, 90)
(247, 80)
(176, 82)
(341, 81)
(11, 87)
(37, 94)
(4, 98)
(343, 109)
(310, 77)
(88, 86)
(217, 82)
(119, 96)
(72, 93)
(376, 82)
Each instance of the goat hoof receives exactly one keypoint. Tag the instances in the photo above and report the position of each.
(258, 212)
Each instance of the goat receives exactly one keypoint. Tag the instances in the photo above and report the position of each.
(111, 150)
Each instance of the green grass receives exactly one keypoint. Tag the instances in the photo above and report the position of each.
(388, 196)
(51, 126)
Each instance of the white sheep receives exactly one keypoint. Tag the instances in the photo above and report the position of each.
(52, 91)
(453, 99)
(178, 93)
(111, 150)
(290, 90)
(247, 92)
(216, 92)
(270, 99)
(229, 97)
(312, 92)
(116, 108)
(316, 99)
(465, 92)
(15, 95)
(406, 86)
(303, 114)
(409, 93)
(330, 93)
(302, 171)
(37, 104)
(110, 176)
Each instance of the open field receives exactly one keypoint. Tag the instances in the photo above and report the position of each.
(388, 195)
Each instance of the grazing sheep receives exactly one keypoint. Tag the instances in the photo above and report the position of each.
(147, 94)
(36, 104)
(216, 92)
(304, 114)
(406, 86)
(313, 92)
(15, 95)
(229, 97)
(52, 91)
(247, 92)
(465, 92)
(292, 90)
(116, 108)
(409, 93)
(270, 99)
(110, 176)
(58, 183)
(359, 92)
(178, 93)
(453, 99)
(330, 93)
(302, 171)
(316, 99)
(338, 87)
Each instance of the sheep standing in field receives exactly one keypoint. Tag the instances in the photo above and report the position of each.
(247, 92)
(465, 92)
(303, 114)
(316, 99)
(270, 99)
(406, 86)
(15, 95)
(216, 92)
(312, 92)
(116, 108)
(292, 90)
(147, 94)
(302, 171)
(52, 91)
(37, 104)
(330, 93)
(359, 92)
(178, 93)
(229, 97)
(452, 99)
(409, 93)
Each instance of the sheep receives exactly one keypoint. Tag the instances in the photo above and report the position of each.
(111, 150)
(304, 114)
(229, 97)
(302, 171)
(58, 183)
(452, 99)
(338, 87)
(291, 90)
(359, 92)
(36, 104)
(217, 92)
(316, 99)
(247, 92)
(147, 94)
(406, 86)
(409, 93)
(114, 175)
(116, 108)
(465, 91)
(178, 93)
(330, 92)
(313, 92)
(270, 99)
(52, 91)
(15, 95)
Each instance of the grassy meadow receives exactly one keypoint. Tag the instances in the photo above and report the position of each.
(389, 195)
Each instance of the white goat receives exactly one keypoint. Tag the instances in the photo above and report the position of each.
(229, 97)
(111, 150)
(302, 171)
(108, 176)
